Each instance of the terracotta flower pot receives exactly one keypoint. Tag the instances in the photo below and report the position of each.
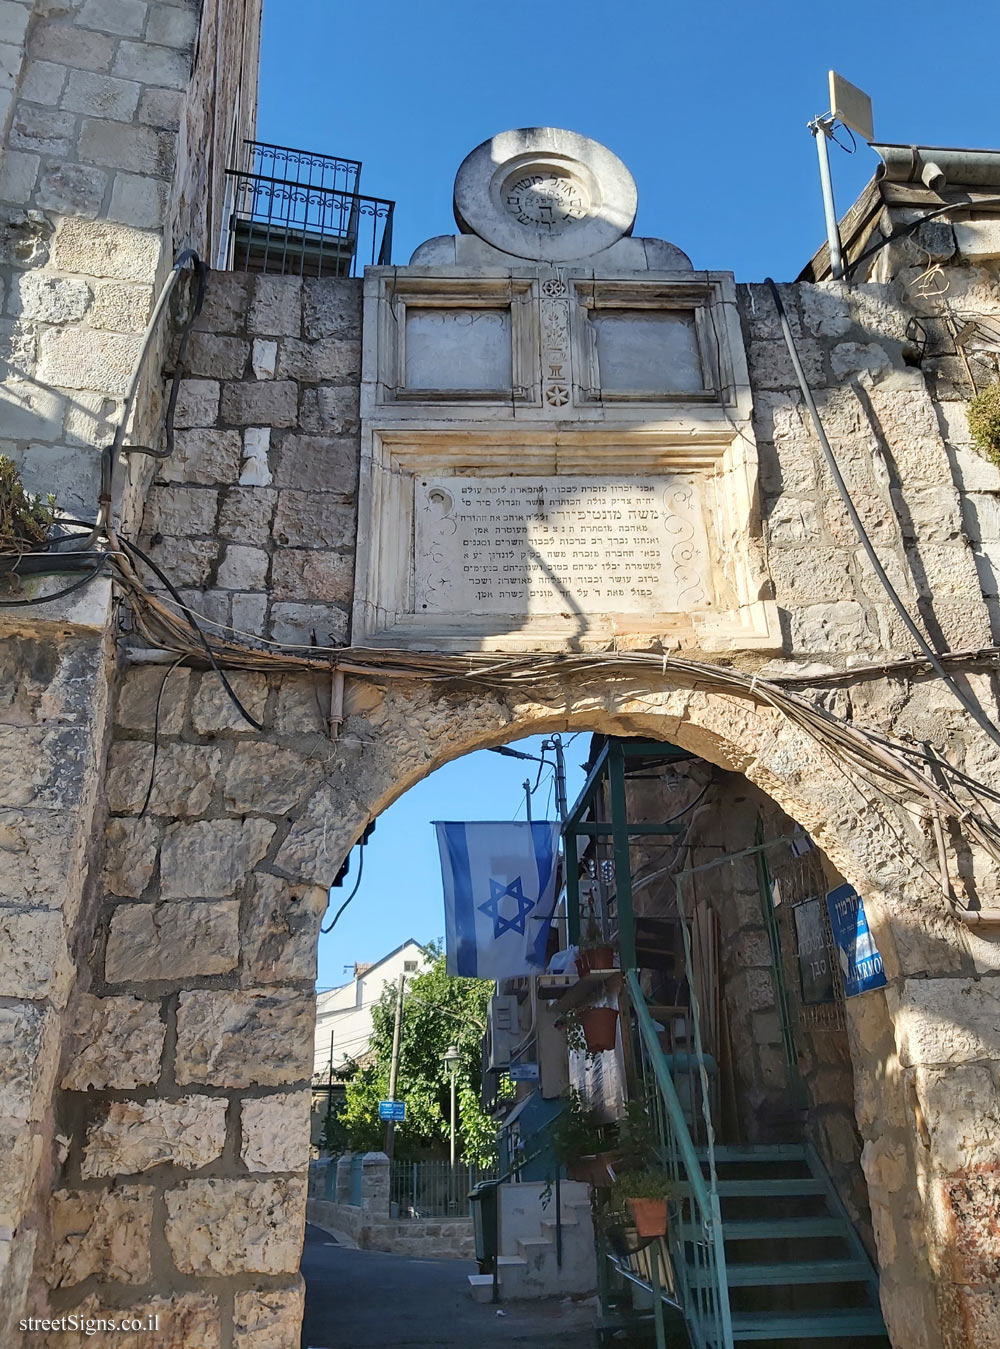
(595, 958)
(650, 1216)
(592, 1169)
(599, 1026)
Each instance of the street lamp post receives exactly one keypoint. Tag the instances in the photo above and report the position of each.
(451, 1061)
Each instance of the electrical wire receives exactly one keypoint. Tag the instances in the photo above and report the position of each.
(874, 758)
(91, 574)
(904, 231)
(972, 708)
(625, 674)
(847, 149)
(180, 369)
(156, 735)
(165, 580)
(541, 769)
(111, 452)
(361, 871)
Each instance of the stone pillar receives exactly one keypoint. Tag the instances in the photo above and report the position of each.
(343, 1190)
(375, 1186)
(946, 1038)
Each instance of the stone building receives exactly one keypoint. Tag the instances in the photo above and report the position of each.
(546, 476)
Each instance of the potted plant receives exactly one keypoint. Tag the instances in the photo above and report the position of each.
(637, 1139)
(600, 1025)
(595, 953)
(645, 1192)
(579, 1137)
(589, 1030)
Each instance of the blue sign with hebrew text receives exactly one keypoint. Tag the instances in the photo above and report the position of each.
(857, 955)
(392, 1110)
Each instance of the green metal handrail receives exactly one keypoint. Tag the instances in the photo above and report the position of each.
(694, 1233)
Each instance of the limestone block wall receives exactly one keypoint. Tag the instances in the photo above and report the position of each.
(53, 706)
(254, 516)
(198, 957)
(894, 448)
(105, 122)
(186, 1070)
(198, 1008)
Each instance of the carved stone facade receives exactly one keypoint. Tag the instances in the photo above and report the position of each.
(158, 955)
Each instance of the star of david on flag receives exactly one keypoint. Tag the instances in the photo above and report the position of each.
(499, 895)
(492, 907)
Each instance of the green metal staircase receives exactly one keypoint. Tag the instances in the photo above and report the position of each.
(795, 1267)
(759, 1247)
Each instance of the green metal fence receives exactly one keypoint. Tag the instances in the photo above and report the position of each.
(357, 1173)
(433, 1189)
(322, 1178)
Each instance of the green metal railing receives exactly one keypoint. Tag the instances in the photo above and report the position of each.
(694, 1230)
(357, 1175)
(433, 1189)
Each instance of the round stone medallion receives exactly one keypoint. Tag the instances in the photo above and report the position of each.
(545, 194)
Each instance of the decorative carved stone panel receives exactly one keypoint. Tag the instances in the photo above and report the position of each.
(556, 451)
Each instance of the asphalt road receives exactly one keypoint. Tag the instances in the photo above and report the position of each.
(360, 1298)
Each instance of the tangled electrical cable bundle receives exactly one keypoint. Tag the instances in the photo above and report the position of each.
(893, 769)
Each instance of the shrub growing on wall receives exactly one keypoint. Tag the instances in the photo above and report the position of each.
(25, 520)
(984, 422)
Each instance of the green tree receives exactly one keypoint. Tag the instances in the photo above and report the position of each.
(438, 1011)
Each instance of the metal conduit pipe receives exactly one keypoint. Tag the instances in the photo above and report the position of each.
(937, 166)
(110, 452)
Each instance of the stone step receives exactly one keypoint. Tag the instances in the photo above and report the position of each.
(511, 1269)
(567, 1220)
(481, 1287)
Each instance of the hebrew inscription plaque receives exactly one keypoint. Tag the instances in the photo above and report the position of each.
(559, 545)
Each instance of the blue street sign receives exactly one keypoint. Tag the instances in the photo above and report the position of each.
(858, 956)
(523, 1072)
(392, 1110)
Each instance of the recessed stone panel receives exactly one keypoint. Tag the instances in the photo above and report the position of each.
(461, 349)
(554, 545)
(647, 352)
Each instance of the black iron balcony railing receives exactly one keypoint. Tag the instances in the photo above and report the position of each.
(301, 214)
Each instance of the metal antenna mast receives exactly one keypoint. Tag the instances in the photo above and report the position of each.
(853, 108)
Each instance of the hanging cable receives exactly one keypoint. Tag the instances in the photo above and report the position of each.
(175, 594)
(361, 867)
(180, 369)
(904, 231)
(91, 574)
(974, 711)
(156, 735)
(111, 452)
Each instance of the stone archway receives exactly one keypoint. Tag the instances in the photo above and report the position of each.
(184, 1085)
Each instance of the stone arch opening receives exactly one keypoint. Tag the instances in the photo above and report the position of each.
(185, 1083)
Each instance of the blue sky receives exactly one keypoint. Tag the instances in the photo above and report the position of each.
(707, 104)
(400, 891)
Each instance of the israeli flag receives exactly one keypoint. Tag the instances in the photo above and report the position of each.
(499, 895)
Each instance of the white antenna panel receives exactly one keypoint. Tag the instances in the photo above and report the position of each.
(851, 105)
